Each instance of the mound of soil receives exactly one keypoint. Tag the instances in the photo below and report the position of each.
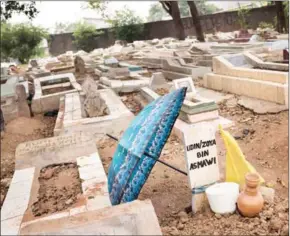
(60, 187)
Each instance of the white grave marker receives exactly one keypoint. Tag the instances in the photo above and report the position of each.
(201, 155)
(157, 80)
(185, 82)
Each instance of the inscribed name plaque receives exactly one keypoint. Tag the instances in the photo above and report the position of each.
(201, 155)
(185, 82)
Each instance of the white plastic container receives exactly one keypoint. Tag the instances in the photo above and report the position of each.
(222, 197)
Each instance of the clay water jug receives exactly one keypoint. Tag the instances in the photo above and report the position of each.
(250, 201)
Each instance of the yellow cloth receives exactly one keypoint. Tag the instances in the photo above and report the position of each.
(236, 164)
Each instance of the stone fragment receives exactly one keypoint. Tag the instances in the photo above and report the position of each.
(267, 193)
(94, 105)
(23, 108)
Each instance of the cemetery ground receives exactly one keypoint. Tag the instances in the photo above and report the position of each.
(262, 138)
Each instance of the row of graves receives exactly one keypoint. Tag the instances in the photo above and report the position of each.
(91, 91)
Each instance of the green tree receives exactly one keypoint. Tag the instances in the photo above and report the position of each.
(85, 35)
(127, 25)
(10, 7)
(171, 7)
(100, 6)
(204, 8)
(156, 12)
(21, 41)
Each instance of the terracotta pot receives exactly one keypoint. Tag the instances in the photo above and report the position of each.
(250, 201)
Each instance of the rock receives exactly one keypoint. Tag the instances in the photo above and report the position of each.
(2, 198)
(285, 230)
(275, 224)
(6, 182)
(48, 174)
(182, 214)
(267, 193)
(218, 216)
(174, 231)
(180, 226)
(183, 220)
(69, 201)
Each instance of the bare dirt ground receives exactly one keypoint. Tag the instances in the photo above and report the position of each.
(263, 140)
(18, 131)
(60, 187)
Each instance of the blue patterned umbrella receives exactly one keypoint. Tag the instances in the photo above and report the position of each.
(148, 134)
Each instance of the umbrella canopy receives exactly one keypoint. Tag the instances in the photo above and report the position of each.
(147, 133)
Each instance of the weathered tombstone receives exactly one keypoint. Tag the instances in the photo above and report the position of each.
(23, 108)
(34, 63)
(202, 161)
(185, 82)
(118, 72)
(157, 80)
(94, 105)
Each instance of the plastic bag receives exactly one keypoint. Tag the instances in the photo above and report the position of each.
(236, 164)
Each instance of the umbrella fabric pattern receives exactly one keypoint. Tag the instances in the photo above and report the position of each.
(148, 133)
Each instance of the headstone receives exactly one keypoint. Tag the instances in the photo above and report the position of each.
(117, 72)
(113, 62)
(185, 82)
(33, 63)
(4, 70)
(201, 159)
(157, 80)
(94, 105)
(23, 108)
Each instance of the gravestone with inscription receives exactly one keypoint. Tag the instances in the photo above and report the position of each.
(43, 152)
(202, 161)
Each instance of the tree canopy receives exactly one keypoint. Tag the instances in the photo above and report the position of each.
(156, 12)
(127, 25)
(20, 41)
(10, 7)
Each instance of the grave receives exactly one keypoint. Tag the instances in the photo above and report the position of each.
(72, 116)
(84, 64)
(125, 84)
(49, 89)
(132, 68)
(73, 161)
(236, 74)
(13, 104)
(235, 47)
(179, 65)
(202, 161)
(195, 108)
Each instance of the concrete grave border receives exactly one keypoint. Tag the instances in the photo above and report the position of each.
(71, 117)
(20, 192)
(43, 103)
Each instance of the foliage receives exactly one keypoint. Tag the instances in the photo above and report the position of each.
(156, 12)
(286, 9)
(127, 25)
(21, 41)
(183, 8)
(64, 27)
(264, 25)
(98, 5)
(243, 12)
(205, 8)
(10, 7)
(84, 35)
